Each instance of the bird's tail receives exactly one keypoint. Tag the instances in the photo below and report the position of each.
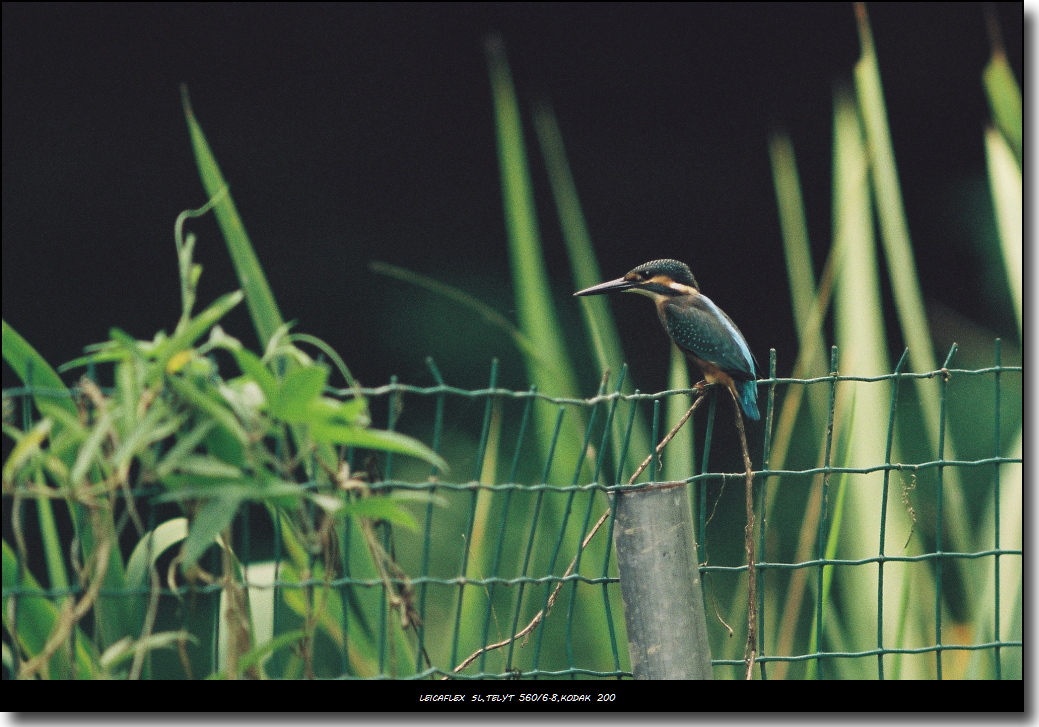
(748, 391)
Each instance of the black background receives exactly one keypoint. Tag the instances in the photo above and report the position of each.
(360, 132)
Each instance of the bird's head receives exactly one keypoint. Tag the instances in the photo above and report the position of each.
(657, 279)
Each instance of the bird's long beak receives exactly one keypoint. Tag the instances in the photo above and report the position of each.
(607, 287)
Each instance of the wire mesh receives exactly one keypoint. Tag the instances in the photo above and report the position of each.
(493, 580)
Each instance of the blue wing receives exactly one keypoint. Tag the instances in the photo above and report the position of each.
(701, 328)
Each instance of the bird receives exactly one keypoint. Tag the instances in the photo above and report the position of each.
(700, 329)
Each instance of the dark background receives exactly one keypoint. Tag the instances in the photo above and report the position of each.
(358, 132)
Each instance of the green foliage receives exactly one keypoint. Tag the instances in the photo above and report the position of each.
(870, 515)
(213, 444)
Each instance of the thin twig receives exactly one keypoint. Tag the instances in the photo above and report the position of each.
(748, 542)
(149, 618)
(540, 616)
(70, 614)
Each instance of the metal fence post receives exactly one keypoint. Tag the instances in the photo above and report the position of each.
(660, 583)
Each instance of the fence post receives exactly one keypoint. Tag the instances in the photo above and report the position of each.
(660, 583)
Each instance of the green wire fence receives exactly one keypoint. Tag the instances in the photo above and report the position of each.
(488, 578)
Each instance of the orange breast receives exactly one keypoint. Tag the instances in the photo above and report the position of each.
(711, 373)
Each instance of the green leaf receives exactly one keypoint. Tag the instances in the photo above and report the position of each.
(90, 449)
(326, 411)
(200, 465)
(126, 648)
(902, 272)
(209, 402)
(26, 447)
(181, 342)
(262, 306)
(1005, 185)
(207, 319)
(48, 390)
(253, 367)
(300, 388)
(1004, 98)
(203, 488)
(333, 433)
(156, 426)
(260, 653)
(207, 526)
(381, 508)
(151, 547)
(224, 445)
(194, 486)
(54, 401)
(105, 356)
(184, 446)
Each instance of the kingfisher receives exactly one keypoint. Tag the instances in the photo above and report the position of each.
(699, 328)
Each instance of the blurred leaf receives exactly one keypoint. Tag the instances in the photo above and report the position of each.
(902, 272)
(224, 445)
(252, 366)
(1004, 98)
(335, 433)
(151, 547)
(197, 487)
(207, 466)
(183, 447)
(259, 654)
(208, 402)
(606, 341)
(894, 228)
(680, 456)
(55, 401)
(551, 372)
(90, 449)
(126, 648)
(381, 508)
(27, 446)
(210, 521)
(48, 390)
(796, 246)
(299, 389)
(1005, 184)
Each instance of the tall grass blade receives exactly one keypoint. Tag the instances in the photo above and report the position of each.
(809, 305)
(584, 266)
(680, 456)
(810, 310)
(860, 406)
(901, 266)
(894, 228)
(258, 296)
(48, 390)
(1007, 199)
(794, 228)
(552, 372)
(1004, 95)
